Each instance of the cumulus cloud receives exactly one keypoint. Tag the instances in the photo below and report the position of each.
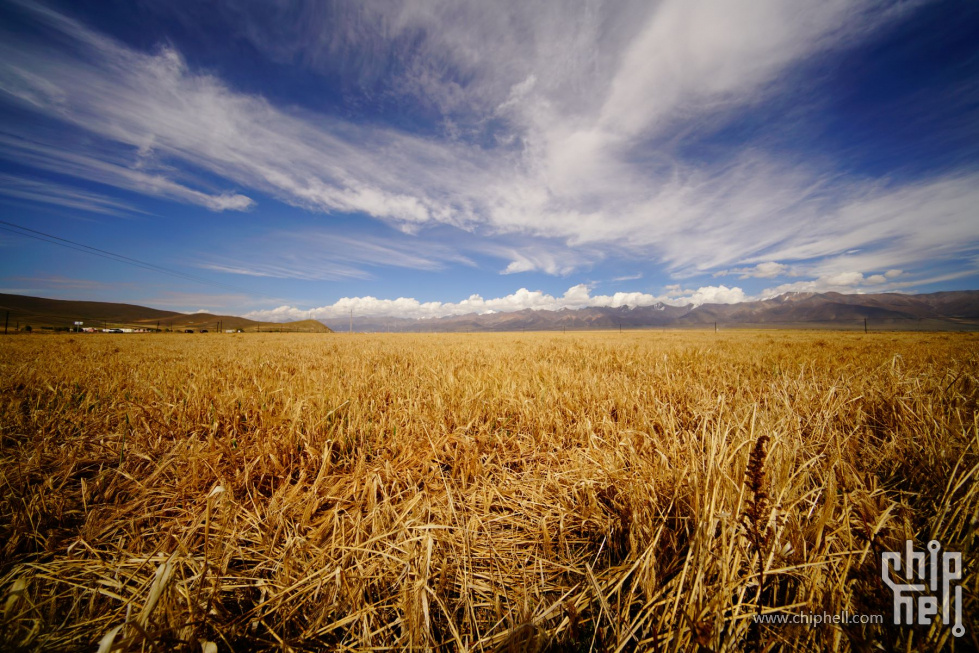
(844, 279)
(575, 297)
(716, 295)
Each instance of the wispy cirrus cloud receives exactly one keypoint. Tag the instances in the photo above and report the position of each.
(57, 286)
(322, 255)
(766, 270)
(47, 192)
(192, 302)
(559, 126)
(857, 282)
(110, 169)
(56, 283)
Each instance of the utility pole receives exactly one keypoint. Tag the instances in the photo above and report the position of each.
(865, 325)
(715, 327)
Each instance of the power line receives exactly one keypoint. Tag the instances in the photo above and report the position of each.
(112, 256)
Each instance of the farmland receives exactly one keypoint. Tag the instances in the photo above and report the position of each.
(585, 491)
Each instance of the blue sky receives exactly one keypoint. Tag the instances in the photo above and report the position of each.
(425, 157)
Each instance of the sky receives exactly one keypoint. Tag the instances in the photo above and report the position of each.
(419, 158)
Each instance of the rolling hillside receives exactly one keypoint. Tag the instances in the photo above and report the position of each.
(41, 314)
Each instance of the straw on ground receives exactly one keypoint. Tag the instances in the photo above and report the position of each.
(517, 492)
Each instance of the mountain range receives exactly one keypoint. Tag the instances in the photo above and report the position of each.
(953, 310)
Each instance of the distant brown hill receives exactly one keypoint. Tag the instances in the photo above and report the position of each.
(20, 311)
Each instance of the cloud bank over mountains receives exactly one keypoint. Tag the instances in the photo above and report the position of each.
(576, 297)
(581, 296)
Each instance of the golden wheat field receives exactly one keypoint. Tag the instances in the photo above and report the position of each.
(515, 492)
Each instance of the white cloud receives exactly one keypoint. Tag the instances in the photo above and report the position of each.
(248, 272)
(851, 282)
(322, 255)
(37, 190)
(717, 295)
(531, 259)
(103, 170)
(581, 91)
(696, 52)
(576, 297)
(885, 227)
(767, 270)
(520, 265)
(844, 279)
(842, 282)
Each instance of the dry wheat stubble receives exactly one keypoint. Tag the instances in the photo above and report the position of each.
(579, 491)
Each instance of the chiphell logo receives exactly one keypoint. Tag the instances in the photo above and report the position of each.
(931, 588)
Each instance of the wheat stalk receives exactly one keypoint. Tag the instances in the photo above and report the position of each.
(596, 491)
